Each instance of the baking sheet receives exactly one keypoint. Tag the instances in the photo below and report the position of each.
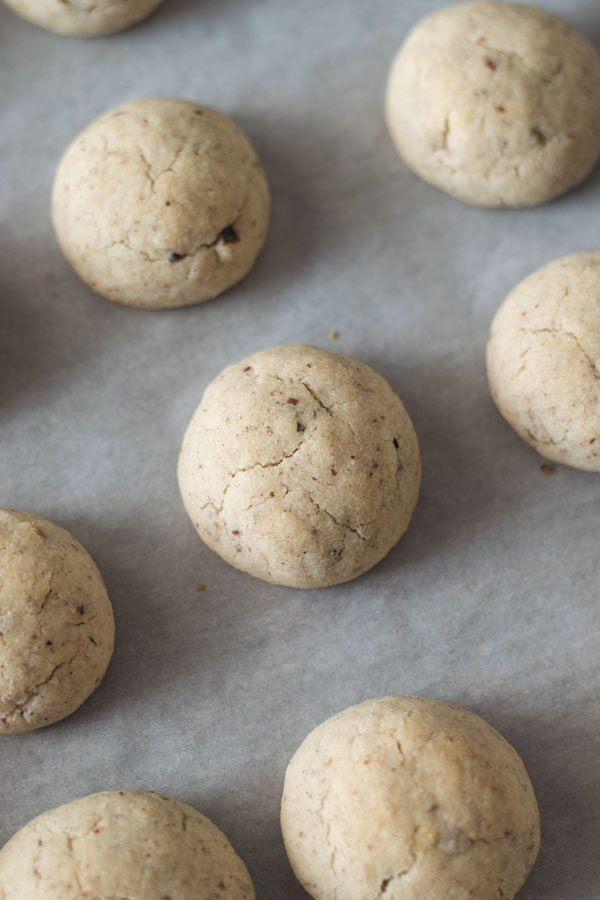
(490, 600)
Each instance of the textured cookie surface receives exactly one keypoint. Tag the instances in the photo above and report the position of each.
(543, 360)
(496, 103)
(300, 466)
(86, 18)
(403, 798)
(56, 623)
(122, 844)
(161, 203)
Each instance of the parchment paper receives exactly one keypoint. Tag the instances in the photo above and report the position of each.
(490, 600)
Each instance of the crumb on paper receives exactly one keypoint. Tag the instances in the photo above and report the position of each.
(546, 468)
(259, 821)
(333, 335)
(200, 587)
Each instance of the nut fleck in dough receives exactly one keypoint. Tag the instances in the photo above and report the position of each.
(161, 203)
(403, 798)
(122, 844)
(543, 360)
(85, 18)
(300, 466)
(496, 103)
(56, 623)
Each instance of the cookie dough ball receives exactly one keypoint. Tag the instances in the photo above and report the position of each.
(496, 103)
(122, 844)
(161, 203)
(56, 623)
(86, 18)
(543, 360)
(300, 466)
(403, 798)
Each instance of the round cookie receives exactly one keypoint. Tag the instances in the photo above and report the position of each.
(161, 203)
(85, 18)
(56, 623)
(300, 466)
(543, 360)
(403, 798)
(496, 103)
(122, 844)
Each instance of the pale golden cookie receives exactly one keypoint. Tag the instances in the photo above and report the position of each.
(56, 623)
(122, 844)
(496, 103)
(543, 360)
(161, 203)
(403, 798)
(300, 466)
(84, 18)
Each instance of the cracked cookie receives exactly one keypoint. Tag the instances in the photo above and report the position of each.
(543, 360)
(85, 18)
(56, 623)
(496, 103)
(120, 844)
(401, 798)
(300, 466)
(161, 203)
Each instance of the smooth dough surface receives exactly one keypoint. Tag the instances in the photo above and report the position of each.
(543, 360)
(403, 798)
(85, 18)
(161, 203)
(56, 623)
(496, 103)
(300, 466)
(122, 845)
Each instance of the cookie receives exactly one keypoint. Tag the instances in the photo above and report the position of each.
(401, 798)
(496, 103)
(85, 18)
(543, 360)
(56, 623)
(120, 844)
(300, 466)
(161, 203)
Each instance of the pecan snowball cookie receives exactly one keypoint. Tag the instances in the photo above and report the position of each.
(85, 18)
(122, 844)
(161, 203)
(404, 798)
(496, 103)
(56, 623)
(543, 360)
(300, 466)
